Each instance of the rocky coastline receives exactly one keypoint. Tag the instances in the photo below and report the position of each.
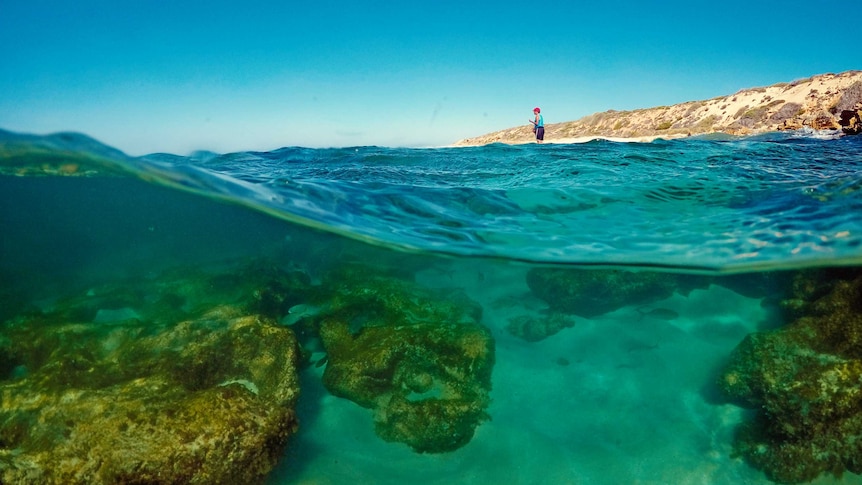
(822, 102)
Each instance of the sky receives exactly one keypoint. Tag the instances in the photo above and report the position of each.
(175, 76)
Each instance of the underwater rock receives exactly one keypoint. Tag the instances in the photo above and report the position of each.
(418, 359)
(589, 293)
(765, 285)
(255, 288)
(378, 298)
(207, 398)
(533, 329)
(805, 381)
(428, 383)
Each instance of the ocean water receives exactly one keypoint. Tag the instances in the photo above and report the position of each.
(624, 392)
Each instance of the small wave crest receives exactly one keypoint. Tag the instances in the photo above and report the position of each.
(717, 205)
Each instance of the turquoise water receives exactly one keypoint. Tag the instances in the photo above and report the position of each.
(625, 394)
(768, 201)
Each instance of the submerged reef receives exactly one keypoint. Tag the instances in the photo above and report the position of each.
(804, 381)
(592, 292)
(183, 378)
(589, 293)
(534, 328)
(417, 358)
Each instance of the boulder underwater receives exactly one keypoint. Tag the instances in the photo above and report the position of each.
(535, 328)
(417, 358)
(804, 381)
(592, 292)
(184, 378)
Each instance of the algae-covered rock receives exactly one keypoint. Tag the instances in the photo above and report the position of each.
(160, 384)
(589, 293)
(765, 285)
(534, 328)
(419, 360)
(377, 298)
(805, 381)
(258, 287)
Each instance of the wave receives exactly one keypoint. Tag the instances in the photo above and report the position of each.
(780, 200)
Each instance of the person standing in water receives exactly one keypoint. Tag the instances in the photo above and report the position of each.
(538, 125)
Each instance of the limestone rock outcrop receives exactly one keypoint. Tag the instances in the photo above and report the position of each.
(816, 103)
(851, 121)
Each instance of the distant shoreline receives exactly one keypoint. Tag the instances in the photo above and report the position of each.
(579, 139)
(823, 102)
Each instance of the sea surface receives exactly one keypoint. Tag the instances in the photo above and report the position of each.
(621, 396)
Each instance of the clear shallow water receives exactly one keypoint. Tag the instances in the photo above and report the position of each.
(778, 200)
(775, 200)
(617, 398)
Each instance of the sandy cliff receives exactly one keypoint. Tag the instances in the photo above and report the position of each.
(827, 101)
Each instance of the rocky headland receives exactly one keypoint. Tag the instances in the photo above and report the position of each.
(823, 102)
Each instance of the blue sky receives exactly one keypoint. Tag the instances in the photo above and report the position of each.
(177, 76)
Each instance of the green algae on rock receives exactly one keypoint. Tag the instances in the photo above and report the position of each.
(418, 359)
(257, 287)
(592, 292)
(183, 390)
(805, 381)
(532, 328)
